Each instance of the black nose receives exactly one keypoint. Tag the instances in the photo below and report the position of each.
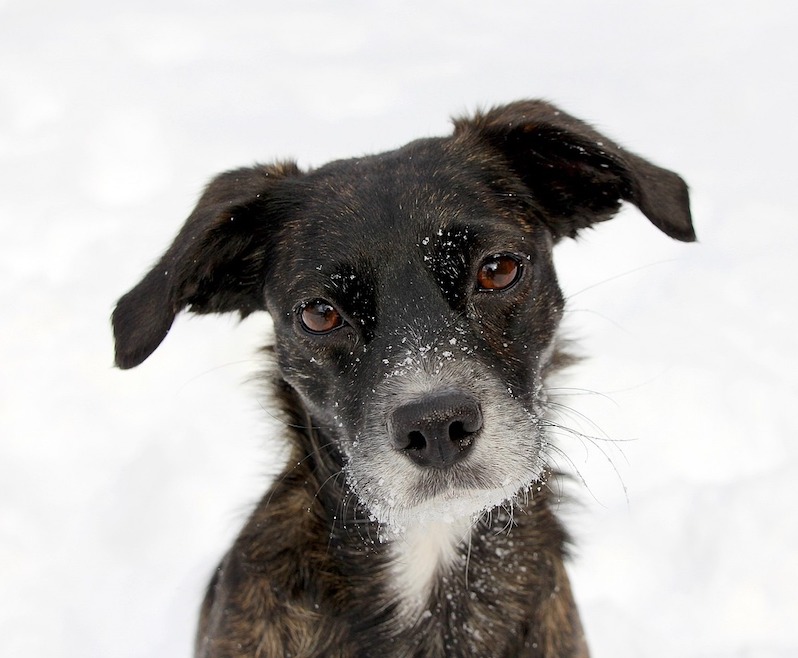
(438, 430)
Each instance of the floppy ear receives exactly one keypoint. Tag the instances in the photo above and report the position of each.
(577, 175)
(215, 264)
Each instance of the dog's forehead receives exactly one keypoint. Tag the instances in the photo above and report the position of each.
(394, 195)
(423, 198)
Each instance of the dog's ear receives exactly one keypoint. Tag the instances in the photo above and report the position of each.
(215, 264)
(577, 175)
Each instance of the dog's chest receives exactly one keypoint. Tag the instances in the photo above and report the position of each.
(422, 554)
(461, 591)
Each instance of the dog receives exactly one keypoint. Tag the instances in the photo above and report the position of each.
(416, 312)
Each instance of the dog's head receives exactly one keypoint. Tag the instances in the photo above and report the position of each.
(413, 295)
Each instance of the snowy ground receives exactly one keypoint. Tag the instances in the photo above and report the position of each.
(119, 490)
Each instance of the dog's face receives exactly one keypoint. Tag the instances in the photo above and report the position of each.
(414, 311)
(413, 295)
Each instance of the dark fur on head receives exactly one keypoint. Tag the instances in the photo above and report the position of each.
(413, 518)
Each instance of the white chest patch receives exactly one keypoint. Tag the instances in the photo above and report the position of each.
(422, 551)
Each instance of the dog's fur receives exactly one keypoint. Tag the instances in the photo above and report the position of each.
(413, 517)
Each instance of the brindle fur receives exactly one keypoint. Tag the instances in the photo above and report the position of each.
(307, 577)
(311, 572)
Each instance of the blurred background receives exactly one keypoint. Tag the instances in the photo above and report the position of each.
(119, 491)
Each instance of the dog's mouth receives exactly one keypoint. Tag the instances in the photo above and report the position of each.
(450, 505)
(456, 481)
(403, 494)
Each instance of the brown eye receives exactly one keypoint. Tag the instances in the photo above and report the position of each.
(498, 272)
(319, 317)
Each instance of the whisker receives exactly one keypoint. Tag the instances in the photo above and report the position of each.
(563, 409)
(625, 389)
(595, 441)
(334, 476)
(546, 479)
(208, 371)
(468, 557)
(556, 391)
(366, 522)
(315, 452)
(621, 275)
(575, 469)
(606, 318)
(285, 423)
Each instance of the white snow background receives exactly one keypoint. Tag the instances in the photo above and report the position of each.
(119, 491)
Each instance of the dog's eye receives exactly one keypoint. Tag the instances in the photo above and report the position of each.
(498, 272)
(319, 317)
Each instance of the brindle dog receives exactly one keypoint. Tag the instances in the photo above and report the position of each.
(415, 310)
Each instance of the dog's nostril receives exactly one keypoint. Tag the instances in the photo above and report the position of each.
(438, 430)
(416, 441)
(457, 431)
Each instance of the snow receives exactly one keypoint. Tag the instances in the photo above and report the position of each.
(120, 490)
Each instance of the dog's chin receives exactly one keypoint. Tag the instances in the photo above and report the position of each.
(455, 505)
